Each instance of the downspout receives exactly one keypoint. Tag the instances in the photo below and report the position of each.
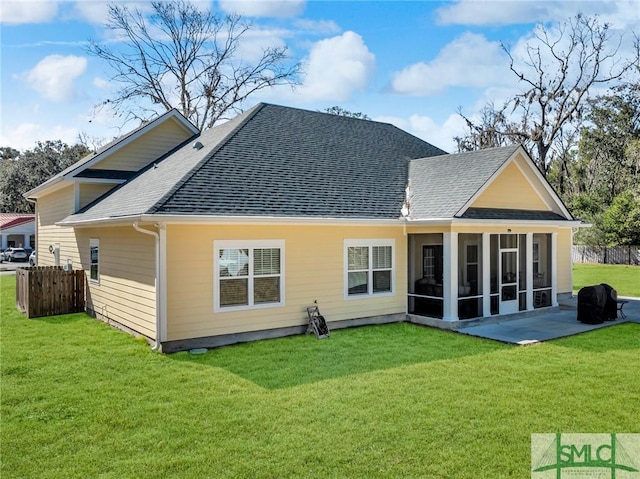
(157, 346)
(35, 209)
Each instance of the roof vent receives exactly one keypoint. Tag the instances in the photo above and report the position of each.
(198, 145)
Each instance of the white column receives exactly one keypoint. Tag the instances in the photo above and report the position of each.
(573, 232)
(411, 268)
(450, 276)
(529, 262)
(554, 269)
(486, 274)
(26, 241)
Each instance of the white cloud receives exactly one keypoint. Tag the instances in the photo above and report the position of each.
(101, 83)
(16, 12)
(324, 27)
(253, 43)
(474, 12)
(96, 12)
(25, 135)
(335, 68)
(468, 61)
(263, 8)
(426, 128)
(54, 76)
(622, 14)
(93, 12)
(510, 12)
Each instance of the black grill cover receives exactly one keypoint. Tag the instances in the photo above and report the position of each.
(611, 307)
(597, 304)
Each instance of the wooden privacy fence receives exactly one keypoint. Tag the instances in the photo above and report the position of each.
(606, 255)
(49, 290)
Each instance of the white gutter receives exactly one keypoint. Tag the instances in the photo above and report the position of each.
(157, 346)
(236, 220)
(491, 222)
(113, 221)
(311, 221)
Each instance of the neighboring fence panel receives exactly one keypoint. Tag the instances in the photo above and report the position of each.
(604, 255)
(49, 290)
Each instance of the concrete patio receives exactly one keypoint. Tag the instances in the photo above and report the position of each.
(548, 324)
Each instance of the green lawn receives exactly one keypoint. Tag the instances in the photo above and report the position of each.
(82, 400)
(625, 279)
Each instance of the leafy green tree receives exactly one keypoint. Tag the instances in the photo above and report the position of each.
(8, 153)
(604, 172)
(30, 169)
(622, 220)
(609, 152)
(588, 208)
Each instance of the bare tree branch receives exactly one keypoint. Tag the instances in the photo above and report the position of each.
(181, 57)
(559, 71)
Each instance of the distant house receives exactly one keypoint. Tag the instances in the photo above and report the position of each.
(17, 230)
(199, 239)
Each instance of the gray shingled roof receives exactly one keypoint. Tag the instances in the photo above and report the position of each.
(441, 186)
(276, 161)
(291, 162)
(504, 214)
(140, 194)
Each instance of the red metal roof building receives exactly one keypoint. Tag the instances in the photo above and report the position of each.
(17, 230)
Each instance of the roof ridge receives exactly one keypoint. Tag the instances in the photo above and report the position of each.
(506, 147)
(180, 183)
(354, 119)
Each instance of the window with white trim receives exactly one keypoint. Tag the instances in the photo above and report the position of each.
(248, 274)
(94, 258)
(369, 267)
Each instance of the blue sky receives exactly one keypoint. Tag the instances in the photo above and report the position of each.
(410, 63)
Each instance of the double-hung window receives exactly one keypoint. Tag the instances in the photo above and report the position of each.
(94, 255)
(369, 267)
(248, 274)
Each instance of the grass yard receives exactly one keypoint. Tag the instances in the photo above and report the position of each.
(625, 279)
(82, 400)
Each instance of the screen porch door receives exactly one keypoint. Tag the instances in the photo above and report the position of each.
(508, 280)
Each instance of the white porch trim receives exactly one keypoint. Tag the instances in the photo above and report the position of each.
(450, 276)
(554, 269)
(529, 265)
(486, 274)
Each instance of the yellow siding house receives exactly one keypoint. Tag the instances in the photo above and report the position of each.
(201, 239)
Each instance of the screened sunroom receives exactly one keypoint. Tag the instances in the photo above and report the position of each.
(459, 275)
